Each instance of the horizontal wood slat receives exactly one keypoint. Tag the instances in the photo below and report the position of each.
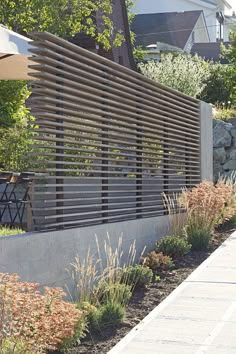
(108, 141)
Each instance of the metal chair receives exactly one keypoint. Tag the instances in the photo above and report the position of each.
(19, 196)
(5, 181)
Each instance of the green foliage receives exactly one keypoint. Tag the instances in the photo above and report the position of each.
(225, 113)
(62, 17)
(7, 231)
(114, 292)
(182, 72)
(10, 345)
(15, 129)
(157, 261)
(137, 276)
(198, 238)
(13, 110)
(15, 145)
(109, 315)
(230, 53)
(220, 86)
(173, 246)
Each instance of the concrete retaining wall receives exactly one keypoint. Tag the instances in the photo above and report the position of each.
(44, 257)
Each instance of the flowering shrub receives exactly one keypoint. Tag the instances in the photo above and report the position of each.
(207, 206)
(33, 321)
(157, 261)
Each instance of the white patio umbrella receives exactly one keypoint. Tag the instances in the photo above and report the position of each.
(14, 55)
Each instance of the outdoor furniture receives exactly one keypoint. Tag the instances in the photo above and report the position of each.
(15, 199)
(5, 180)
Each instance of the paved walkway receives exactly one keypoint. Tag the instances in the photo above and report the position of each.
(198, 317)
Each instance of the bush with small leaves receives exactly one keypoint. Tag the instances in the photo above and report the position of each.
(137, 276)
(33, 321)
(173, 246)
(114, 292)
(108, 315)
(157, 261)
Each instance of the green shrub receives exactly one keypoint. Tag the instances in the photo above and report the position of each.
(137, 276)
(182, 72)
(109, 315)
(173, 246)
(114, 292)
(157, 261)
(219, 84)
(198, 238)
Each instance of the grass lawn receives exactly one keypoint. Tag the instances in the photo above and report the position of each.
(6, 231)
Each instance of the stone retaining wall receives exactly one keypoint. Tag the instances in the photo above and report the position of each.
(224, 147)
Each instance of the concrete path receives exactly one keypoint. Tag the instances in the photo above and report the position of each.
(196, 318)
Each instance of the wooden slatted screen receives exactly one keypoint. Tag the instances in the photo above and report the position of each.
(109, 140)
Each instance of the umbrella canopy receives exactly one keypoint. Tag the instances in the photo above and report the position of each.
(14, 55)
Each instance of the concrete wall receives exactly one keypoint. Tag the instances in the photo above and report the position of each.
(206, 141)
(44, 257)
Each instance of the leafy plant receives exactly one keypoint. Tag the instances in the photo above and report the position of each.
(220, 88)
(65, 18)
(33, 321)
(109, 315)
(157, 261)
(182, 72)
(115, 292)
(137, 276)
(173, 246)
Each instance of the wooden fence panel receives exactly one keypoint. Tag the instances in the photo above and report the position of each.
(109, 140)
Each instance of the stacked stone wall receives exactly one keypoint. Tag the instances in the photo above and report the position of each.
(224, 147)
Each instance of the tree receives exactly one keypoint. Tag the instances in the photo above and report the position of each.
(230, 53)
(138, 51)
(181, 72)
(220, 86)
(62, 17)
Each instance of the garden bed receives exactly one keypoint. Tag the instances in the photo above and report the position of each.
(145, 300)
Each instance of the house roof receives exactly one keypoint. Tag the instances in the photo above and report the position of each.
(212, 2)
(173, 28)
(209, 51)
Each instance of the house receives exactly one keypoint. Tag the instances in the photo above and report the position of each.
(210, 51)
(122, 55)
(215, 12)
(170, 31)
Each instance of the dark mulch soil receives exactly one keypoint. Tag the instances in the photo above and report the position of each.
(145, 300)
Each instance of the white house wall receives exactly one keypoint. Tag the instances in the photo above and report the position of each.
(201, 33)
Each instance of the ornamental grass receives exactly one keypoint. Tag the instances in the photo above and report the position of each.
(207, 206)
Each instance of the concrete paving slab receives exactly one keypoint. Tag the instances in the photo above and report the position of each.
(195, 308)
(196, 318)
